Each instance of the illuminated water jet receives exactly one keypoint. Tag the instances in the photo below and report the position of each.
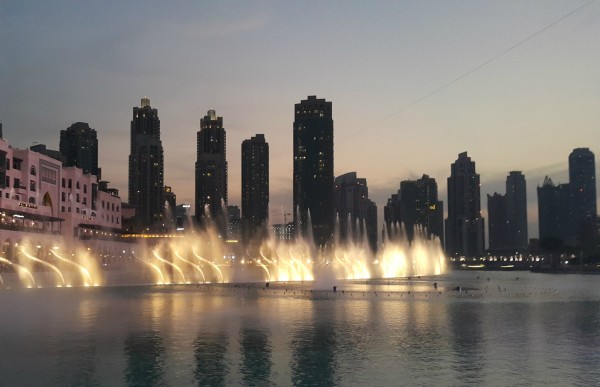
(47, 264)
(23, 269)
(84, 272)
(174, 266)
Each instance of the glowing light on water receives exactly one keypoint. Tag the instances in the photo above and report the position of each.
(187, 258)
(192, 264)
(160, 278)
(21, 269)
(49, 265)
(87, 277)
(217, 269)
(174, 266)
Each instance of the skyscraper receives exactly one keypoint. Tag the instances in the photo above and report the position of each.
(169, 216)
(146, 168)
(507, 223)
(357, 214)
(582, 182)
(234, 223)
(416, 204)
(464, 225)
(79, 146)
(553, 212)
(497, 223)
(255, 187)
(582, 185)
(211, 170)
(313, 168)
(516, 208)
(568, 212)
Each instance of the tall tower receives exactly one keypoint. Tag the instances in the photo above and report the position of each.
(497, 223)
(516, 211)
(211, 170)
(313, 168)
(357, 214)
(146, 168)
(553, 210)
(507, 223)
(582, 185)
(79, 147)
(255, 187)
(464, 225)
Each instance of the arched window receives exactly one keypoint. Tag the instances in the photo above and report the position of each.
(32, 200)
(32, 170)
(47, 200)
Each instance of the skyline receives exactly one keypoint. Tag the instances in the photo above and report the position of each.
(525, 110)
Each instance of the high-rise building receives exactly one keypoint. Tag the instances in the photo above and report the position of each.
(356, 213)
(507, 223)
(255, 187)
(516, 208)
(283, 231)
(146, 168)
(313, 168)
(183, 216)
(497, 223)
(416, 205)
(169, 216)
(554, 214)
(79, 146)
(211, 170)
(234, 223)
(568, 212)
(464, 225)
(582, 184)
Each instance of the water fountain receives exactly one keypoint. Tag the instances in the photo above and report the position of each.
(203, 256)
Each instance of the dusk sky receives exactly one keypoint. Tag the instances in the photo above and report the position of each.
(413, 83)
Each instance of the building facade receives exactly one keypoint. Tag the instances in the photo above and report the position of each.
(146, 169)
(79, 147)
(255, 187)
(39, 195)
(356, 214)
(313, 169)
(211, 171)
(464, 225)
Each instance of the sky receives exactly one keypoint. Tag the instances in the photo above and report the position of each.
(516, 84)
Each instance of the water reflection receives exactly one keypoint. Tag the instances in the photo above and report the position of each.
(76, 361)
(467, 342)
(145, 355)
(210, 351)
(255, 348)
(313, 346)
(585, 323)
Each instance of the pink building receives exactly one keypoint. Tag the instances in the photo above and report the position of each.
(38, 195)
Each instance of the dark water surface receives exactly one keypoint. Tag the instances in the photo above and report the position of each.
(538, 329)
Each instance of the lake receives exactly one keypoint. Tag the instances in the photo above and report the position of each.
(470, 328)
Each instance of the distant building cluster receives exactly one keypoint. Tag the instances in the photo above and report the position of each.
(44, 190)
(568, 212)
